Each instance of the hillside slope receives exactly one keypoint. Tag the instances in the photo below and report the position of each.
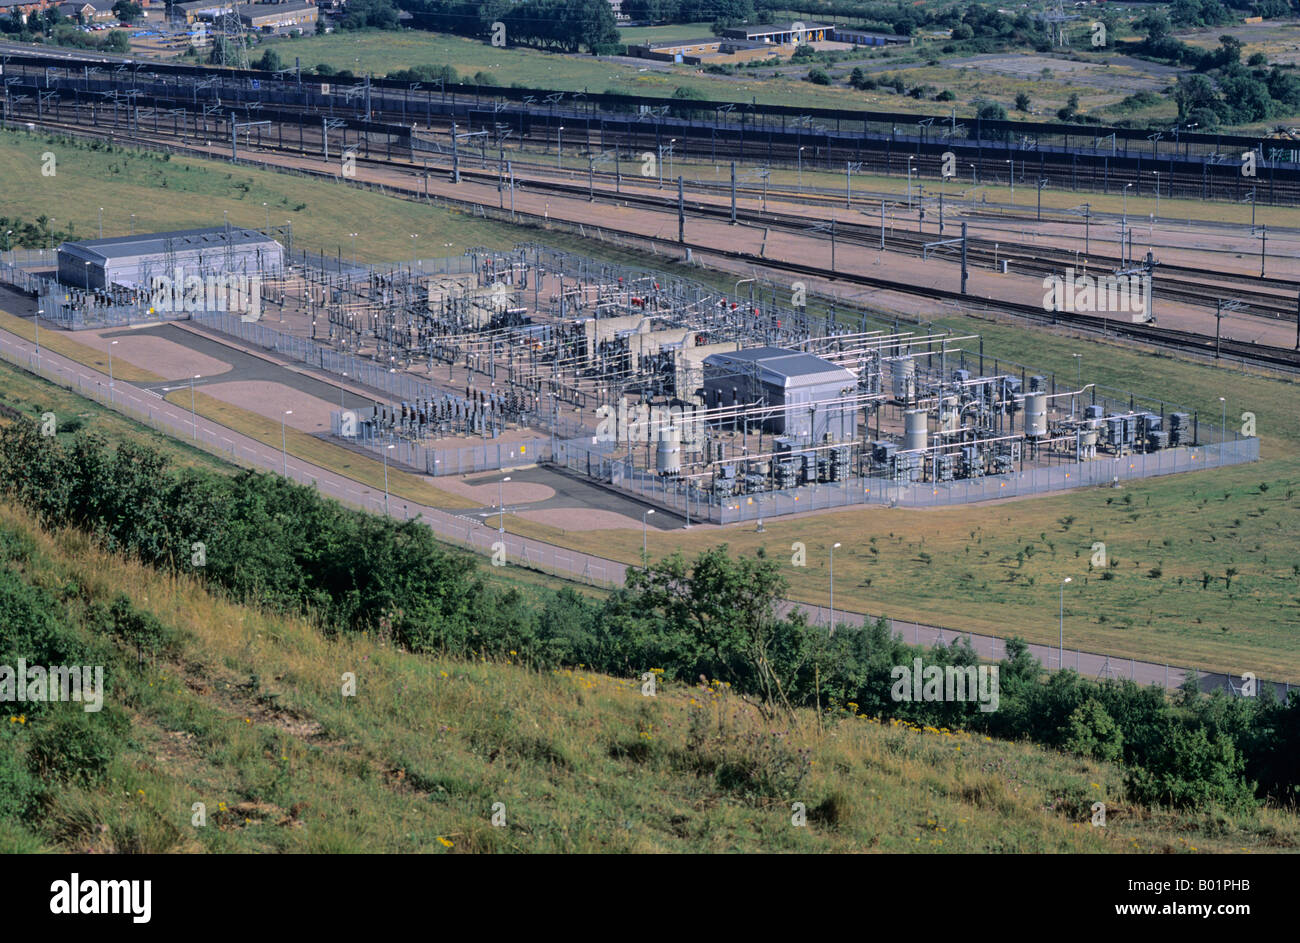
(243, 711)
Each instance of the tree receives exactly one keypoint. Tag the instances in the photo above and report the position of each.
(819, 77)
(1194, 92)
(269, 62)
(369, 14)
(1023, 103)
(127, 11)
(727, 608)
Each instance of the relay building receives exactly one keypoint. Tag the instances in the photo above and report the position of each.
(791, 383)
(132, 261)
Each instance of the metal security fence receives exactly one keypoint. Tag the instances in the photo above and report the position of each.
(432, 461)
(698, 504)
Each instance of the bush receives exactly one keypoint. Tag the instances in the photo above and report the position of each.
(819, 77)
(19, 789)
(1091, 732)
(75, 747)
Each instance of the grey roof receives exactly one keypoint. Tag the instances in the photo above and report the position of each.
(130, 247)
(778, 28)
(260, 10)
(780, 367)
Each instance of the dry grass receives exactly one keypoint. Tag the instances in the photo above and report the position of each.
(248, 718)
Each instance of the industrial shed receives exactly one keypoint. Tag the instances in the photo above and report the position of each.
(131, 261)
(790, 382)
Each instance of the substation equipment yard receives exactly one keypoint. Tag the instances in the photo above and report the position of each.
(724, 405)
(716, 405)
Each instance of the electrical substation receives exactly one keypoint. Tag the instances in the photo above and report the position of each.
(721, 405)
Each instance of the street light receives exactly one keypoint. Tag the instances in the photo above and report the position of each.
(1223, 430)
(909, 167)
(385, 454)
(268, 217)
(101, 222)
(1123, 229)
(501, 504)
(414, 236)
(1061, 652)
(645, 550)
(559, 147)
(111, 345)
(1157, 173)
(1078, 378)
(832, 631)
(194, 416)
(1011, 173)
(354, 247)
(909, 180)
(284, 456)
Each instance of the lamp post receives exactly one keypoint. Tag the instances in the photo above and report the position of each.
(832, 631)
(37, 321)
(559, 148)
(268, 217)
(909, 166)
(909, 180)
(414, 236)
(1223, 429)
(8, 242)
(501, 505)
(133, 224)
(1011, 173)
(1123, 229)
(354, 247)
(1060, 658)
(1078, 378)
(194, 416)
(386, 479)
(284, 457)
(645, 530)
(101, 222)
(1157, 173)
(111, 345)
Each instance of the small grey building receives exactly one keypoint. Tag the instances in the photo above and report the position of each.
(796, 387)
(131, 261)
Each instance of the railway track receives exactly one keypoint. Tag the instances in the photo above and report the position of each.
(1189, 341)
(1269, 298)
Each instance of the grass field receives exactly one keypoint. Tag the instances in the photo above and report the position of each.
(671, 32)
(1185, 526)
(381, 53)
(244, 713)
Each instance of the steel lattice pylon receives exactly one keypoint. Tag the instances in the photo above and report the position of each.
(230, 40)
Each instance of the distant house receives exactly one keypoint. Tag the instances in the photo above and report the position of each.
(21, 9)
(87, 12)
